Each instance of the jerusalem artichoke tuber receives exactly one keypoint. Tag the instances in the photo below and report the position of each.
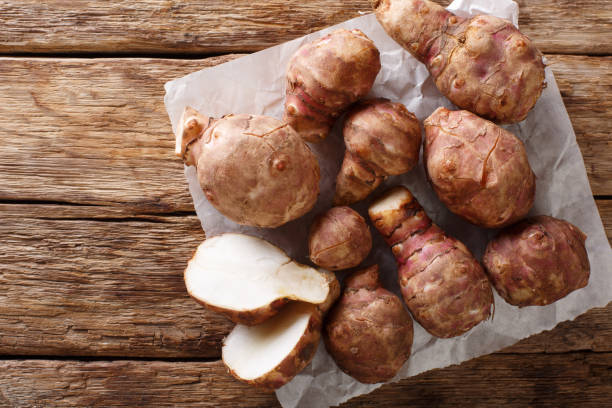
(339, 239)
(254, 169)
(478, 169)
(382, 139)
(483, 64)
(443, 285)
(537, 261)
(324, 77)
(368, 332)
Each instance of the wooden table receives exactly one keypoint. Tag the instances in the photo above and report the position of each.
(97, 223)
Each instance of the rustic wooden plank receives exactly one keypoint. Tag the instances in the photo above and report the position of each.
(48, 383)
(509, 381)
(91, 132)
(217, 26)
(576, 379)
(102, 286)
(93, 281)
(96, 131)
(590, 109)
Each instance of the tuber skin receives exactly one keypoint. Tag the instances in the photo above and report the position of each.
(339, 239)
(445, 288)
(368, 332)
(483, 64)
(382, 138)
(324, 77)
(537, 261)
(479, 170)
(254, 169)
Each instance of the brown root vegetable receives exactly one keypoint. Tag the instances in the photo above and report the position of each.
(382, 138)
(368, 332)
(324, 77)
(271, 354)
(250, 280)
(483, 64)
(444, 287)
(254, 169)
(479, 170)
(537, 261)
(339, 239)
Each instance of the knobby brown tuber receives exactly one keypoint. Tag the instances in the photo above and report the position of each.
(483, 64)
(479, 170)
(254, 169)
(324, 77)
(382, 138)
(339, 239)
(537, 261)
(368, 332)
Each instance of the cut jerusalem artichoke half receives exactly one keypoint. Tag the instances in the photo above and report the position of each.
(271, 354)
(249, 280)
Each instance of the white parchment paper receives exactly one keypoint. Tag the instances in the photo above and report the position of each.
(255, 84)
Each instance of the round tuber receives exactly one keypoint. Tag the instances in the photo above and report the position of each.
(382, 139)
(254, 169)
(339, 239)
(537, 261)
(479, 170)
(368, 332)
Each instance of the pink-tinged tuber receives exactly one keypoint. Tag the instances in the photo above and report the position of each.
(382, 138)
(254, 169)
(368, 332)
(479, 170)
(483, 64)
(339, 239)
(324, 77)
(537, 261)
(444, 287)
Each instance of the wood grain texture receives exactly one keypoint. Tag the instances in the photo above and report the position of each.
(80, 281)
(576, 379)
(509, 381)
(218, 26)
(91, 132)
(91, 281)
(96, 131)
(45, 383)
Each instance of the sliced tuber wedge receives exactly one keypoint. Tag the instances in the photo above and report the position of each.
(250, 280)
(271, 354)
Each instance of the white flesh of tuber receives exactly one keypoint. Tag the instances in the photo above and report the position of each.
(249, 279)
(270, 354)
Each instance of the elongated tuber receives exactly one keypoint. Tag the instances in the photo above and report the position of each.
(479, 170)
(254, 169)
(368, 332)
(250, 280)
(537, 261)
(382, 138)
(324, 77)
(444, 287)
(483, 64)
(339, 239)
